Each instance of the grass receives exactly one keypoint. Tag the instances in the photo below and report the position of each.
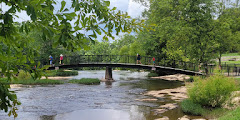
(230, 54)
(152, 74)
(196, 109)
(86, 81)
(230, 62)
(31, 81)
(66, 73)
(192, 108)
(232, 115)
(52, 73)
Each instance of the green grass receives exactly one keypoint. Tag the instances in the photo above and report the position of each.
(66, 73)
(232, 115)
(192, 108)
(31, 81)
(52, 73)
(152, 74)
(86, 81)
(230, 62)
(230, 54)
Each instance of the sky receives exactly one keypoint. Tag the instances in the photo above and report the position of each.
(134, 10)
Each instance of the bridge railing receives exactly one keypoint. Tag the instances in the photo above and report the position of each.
(233, 69)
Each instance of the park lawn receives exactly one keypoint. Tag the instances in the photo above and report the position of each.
(86, 81)
(230, 54)
(230, 62)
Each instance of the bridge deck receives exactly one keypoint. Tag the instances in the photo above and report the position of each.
(127, 65)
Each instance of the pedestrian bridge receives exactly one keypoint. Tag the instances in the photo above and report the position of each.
(117, 61)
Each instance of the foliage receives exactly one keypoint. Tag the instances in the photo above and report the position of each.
(55, 27)
(8, 100)
(86, 81)
(66, 73)
(233, 115)
(212, 91)
(192, 108)
(23, 75)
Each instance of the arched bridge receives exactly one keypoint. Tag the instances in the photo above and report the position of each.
(116, 61)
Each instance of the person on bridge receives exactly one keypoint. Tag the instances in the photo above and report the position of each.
(153, 59)
(51, 60)
(61, 59)
(138, 59)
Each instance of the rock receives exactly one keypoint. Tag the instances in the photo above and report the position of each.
(160, 111)
(165, 108)
(199, 119)
(233, 102)
(163, 118)
(177, 94)
(179, 77)
(147, 99)
(185, 117)
(169, 106)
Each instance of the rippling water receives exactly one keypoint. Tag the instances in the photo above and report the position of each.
(107, 101)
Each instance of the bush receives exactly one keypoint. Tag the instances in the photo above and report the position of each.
(191, 108)
(152, 74)
(66, 73)
(86, 81)
(22, 75)
(212, 91)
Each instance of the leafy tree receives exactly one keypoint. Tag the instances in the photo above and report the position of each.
(89, 16)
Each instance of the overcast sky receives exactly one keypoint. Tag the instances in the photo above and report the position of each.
(134, 9)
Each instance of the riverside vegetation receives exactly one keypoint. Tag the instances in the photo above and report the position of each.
(209, 97)
(86, 81)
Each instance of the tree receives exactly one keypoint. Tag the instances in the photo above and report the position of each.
(89, 16)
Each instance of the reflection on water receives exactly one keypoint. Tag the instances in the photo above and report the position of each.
(102, 114)
(107, 101)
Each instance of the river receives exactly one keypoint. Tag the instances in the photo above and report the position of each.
(117, 100)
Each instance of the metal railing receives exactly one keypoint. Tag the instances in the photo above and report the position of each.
(227, 69)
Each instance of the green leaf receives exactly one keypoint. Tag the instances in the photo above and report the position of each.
(63, 3)
(107, 3)
(114, 8)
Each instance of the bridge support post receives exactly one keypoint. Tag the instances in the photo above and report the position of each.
(108, 74)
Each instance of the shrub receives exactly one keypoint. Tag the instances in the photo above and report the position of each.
(212, 91)
(66, 73)
(191, 108)
(22, 75)
(86, 81)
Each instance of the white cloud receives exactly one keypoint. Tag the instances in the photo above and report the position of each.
(135, 9)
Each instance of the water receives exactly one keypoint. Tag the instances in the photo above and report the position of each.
(107, 101)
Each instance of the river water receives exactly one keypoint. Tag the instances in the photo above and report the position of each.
(108, 101)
